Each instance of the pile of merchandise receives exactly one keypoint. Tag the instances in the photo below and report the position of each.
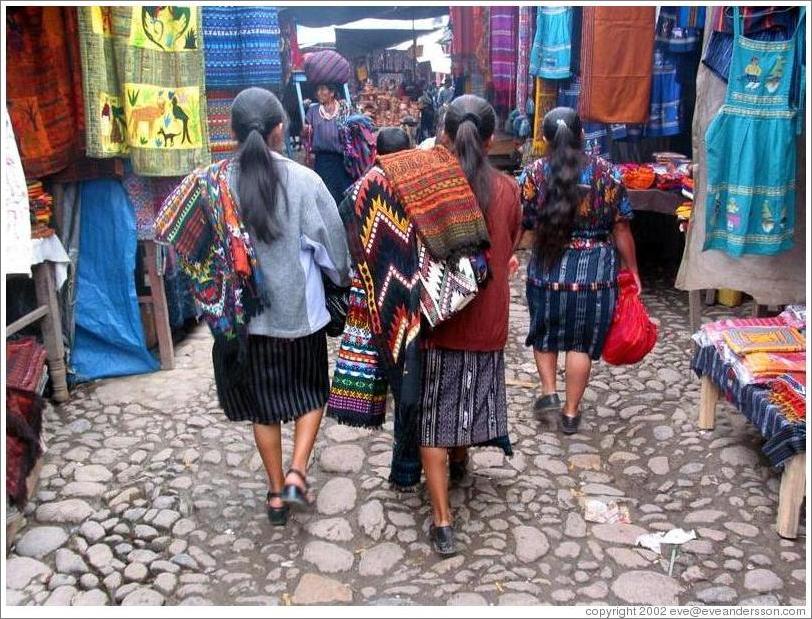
(767, 353)
(384, 108)
(40, 205)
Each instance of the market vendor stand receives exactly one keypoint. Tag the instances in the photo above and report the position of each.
(785, 441)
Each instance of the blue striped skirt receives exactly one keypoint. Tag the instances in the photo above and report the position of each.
(571, 304)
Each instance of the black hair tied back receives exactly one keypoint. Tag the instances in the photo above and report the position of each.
(562, 130)
(255, 113)
(469, 122)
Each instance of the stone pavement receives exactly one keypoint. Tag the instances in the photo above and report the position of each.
(149, 496)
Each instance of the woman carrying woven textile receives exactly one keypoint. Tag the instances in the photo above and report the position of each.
(463, 370)
(255, 233)
(580, 211)
(324, 142)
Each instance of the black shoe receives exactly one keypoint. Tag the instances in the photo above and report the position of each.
(293, 495)
(569, 425)
(443, 540)
(277, 515)
(457, 469)
(547, 403)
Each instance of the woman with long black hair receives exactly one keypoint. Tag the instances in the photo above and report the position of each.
(255, 233)
(580, 211)
(464, 401)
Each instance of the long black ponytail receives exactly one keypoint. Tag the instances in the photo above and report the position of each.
(469, 122)
(255, 113)
(563, 132)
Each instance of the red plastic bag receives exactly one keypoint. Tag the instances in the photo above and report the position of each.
(631, 335)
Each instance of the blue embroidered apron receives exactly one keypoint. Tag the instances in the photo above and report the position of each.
(751, 150)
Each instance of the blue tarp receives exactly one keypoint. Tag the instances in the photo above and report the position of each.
(109, 337)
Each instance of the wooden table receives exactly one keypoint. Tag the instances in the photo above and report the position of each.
(793, 479)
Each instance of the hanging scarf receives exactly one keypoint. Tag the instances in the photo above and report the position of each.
(436, 196)
(143, 74)
(525, 43)
(503, 55)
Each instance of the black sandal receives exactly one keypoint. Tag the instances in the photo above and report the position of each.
(277, 515)
(292, 494)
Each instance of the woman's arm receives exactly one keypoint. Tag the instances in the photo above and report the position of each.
(622, 233)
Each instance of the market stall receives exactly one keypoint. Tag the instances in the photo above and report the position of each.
(759, 366)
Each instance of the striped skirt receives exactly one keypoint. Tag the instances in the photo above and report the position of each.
(563, 319)
(281, 381)
(464, 402)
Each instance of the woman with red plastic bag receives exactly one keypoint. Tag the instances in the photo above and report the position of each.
(580, 212)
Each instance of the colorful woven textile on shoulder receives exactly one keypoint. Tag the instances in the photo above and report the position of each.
(436, 196)
(359, 387)
(383, 245)
(200, 220)
(357, 136)
(25, 363)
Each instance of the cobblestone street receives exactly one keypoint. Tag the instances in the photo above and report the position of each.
(149, 496)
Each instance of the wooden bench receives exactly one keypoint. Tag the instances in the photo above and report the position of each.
(793, 479)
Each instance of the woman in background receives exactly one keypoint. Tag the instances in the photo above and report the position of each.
(580, 211)
(321, 130)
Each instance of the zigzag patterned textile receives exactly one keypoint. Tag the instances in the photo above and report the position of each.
(435, 194)
(359, 386)
(383, 245)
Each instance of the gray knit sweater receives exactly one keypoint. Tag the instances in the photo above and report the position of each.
(312, 241)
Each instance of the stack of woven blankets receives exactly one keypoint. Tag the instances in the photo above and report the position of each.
(40, 205)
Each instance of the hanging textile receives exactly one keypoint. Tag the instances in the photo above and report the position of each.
(17, 228)
(525, 42)
(679, 28)
(147, 195)
(770, 280)
(596, 135)
(666, 96)
(44, 87)
(242, 49)
(751, 189)
(759, 23)
(482, 36)
(546, 100)
(550, 56)
(616, 78)
(575, 48)
(242, 46)
(142, 68)
(503, 55)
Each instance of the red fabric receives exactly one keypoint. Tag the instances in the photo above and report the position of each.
(631, 335)
(483, 324)
(25, 359)
(44, 87)
(23, 427)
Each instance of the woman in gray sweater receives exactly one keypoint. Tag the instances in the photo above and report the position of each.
(271, 230)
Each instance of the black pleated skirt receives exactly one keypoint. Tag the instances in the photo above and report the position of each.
(281, 381)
